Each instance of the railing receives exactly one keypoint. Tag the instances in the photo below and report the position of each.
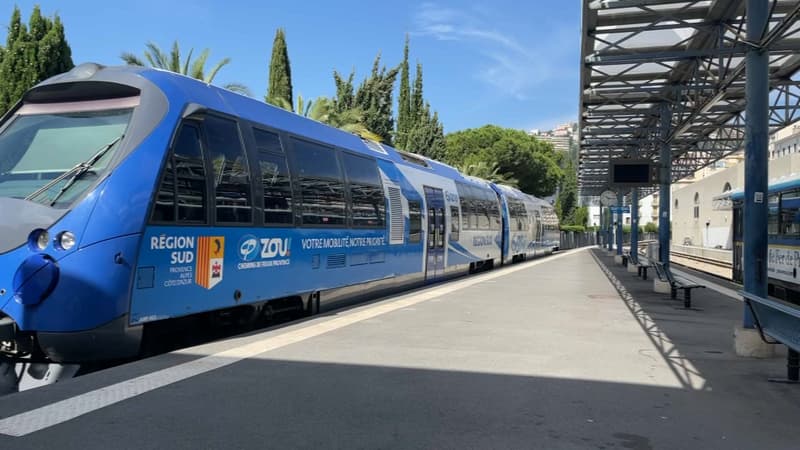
(574, 239)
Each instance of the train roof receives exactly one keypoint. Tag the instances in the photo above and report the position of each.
(181, 91)
(775, 185)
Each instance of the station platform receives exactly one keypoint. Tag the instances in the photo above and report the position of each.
(565, 352)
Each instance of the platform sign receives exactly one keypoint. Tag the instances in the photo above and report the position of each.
(621, 209)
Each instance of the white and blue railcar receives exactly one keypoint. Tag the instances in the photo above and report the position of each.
(132, 196)
(530, 226)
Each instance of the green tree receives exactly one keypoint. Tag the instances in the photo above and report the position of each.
(425, 131)
(417, 99)
(279, 92)
(158, 58)
(405, 120)
(426, 135)
(567, 200)
(519, 156)
(345, 91)
(31, 55)
(580, 216)
(374, 98)
(487, 171)
(323, 109)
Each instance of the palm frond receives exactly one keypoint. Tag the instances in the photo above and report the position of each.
(131, 59)
(199, 65)
(320, 110)
(361, 131)
(156, 56)
(239, 88)
(280, 103)
(210, 77)
(185, 68)
(175, 58)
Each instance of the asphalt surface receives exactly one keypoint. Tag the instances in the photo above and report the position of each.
(547, 354)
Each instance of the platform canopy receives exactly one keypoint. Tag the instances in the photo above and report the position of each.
(640, 57)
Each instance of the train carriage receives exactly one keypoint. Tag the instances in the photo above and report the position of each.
(783, 236)
(133, 196)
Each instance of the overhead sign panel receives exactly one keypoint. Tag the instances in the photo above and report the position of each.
(633, 172)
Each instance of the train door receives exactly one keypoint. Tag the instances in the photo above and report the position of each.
(434, 261)
(536, 230)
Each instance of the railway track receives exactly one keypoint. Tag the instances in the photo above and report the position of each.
(711, 266)
(704, 260)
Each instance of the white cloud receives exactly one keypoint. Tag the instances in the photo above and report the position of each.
(508, 65)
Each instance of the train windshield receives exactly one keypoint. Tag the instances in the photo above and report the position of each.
(52, 158)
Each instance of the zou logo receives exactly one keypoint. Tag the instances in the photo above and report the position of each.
(272, 247)
(248, 248)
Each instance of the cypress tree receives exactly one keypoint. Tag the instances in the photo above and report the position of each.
(404, 120)
(345, 94)
(417, 101)
(54, 56)
(32, 54)
(16, 29)
(280, 74)
(425, 131)
(374, 98)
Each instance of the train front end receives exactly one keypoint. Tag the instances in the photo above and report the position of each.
(74, 187)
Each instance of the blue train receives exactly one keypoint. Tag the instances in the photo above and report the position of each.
(783, 237)
(132, 196)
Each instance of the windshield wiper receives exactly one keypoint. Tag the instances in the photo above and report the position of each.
(76, 173)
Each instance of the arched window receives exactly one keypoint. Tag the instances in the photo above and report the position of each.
(727, 187)
(696, 205)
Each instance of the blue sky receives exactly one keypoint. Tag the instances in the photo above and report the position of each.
(509, 63)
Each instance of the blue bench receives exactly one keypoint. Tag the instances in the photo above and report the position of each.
(641, 266)
(676, 284)
(781, 321)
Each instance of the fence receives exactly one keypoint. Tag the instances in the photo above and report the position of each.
(574, 239)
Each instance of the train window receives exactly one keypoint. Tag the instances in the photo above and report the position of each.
(474, 211)
(267, 141)
(321, 184)
(431, 228)
(368, 204)
(455, 221)
(519, 215)
(494, 211)
(231, 172)
(277, 189)
(181, 195)
(440, 230)
(465, 212)
(484, 213)
(790, 214)
(466, 207)
(414, 222)
(773, 216)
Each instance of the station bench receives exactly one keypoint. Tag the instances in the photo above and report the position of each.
(779, 320)
(641, 267)
(676, 283)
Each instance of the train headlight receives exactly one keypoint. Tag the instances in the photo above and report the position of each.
(39, 239)
(65, 240)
